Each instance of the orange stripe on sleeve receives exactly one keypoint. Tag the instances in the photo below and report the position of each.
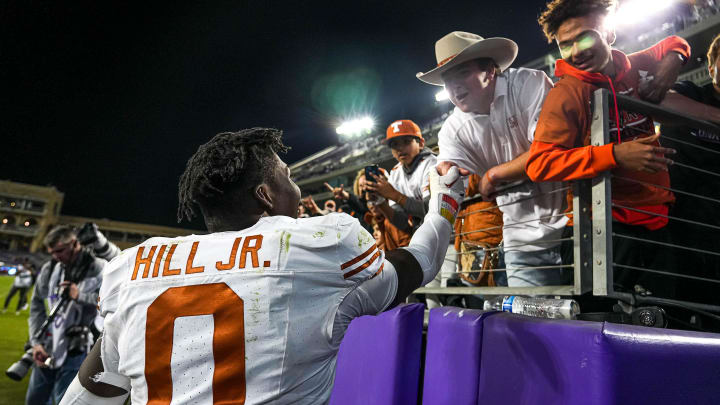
(357, 259)
(379, 271)
(363, 267)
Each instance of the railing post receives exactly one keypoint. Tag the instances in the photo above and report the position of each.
(601, 201)
(582, 240)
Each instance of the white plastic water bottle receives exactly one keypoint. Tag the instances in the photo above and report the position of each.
(540, 307)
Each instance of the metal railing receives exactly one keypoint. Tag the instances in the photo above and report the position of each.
(593, 261)
(605, 267)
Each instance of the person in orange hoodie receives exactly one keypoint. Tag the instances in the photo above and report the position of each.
(561, 148)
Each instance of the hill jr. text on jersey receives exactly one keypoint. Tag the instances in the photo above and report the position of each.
(161, 256)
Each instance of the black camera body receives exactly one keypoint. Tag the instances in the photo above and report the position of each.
(78, 339)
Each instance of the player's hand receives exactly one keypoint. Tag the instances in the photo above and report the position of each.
(446, 193)
(338, 192)
(657, 85)
(486, 187)
(72, 289)
(643, 155)
(443, 167)
(39, 355)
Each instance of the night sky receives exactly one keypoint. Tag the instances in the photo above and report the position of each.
(108, 101)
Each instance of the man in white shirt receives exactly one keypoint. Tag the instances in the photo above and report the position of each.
(489, 133)
(254, 311)
(406, 190)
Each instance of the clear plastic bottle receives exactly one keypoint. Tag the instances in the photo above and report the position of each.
(540, 307)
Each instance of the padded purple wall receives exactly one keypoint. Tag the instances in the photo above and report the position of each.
(452, 356)
(379, 359)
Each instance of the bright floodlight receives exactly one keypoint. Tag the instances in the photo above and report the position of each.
(442, 95)
(636, 11)
(356, 127)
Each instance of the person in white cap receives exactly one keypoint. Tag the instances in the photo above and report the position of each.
(489, 133)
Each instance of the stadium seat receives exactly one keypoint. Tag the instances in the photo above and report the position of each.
(452, 356)
(529, 360)
(379, 359)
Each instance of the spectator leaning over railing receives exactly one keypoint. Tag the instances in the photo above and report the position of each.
(403, 195)
(700, 149)
(581, 30)
(489, 133)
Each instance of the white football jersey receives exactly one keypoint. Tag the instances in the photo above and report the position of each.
(235, 317)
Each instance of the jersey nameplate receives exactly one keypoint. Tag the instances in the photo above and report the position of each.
(159, 257)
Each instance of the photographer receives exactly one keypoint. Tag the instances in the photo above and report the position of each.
(73, 278)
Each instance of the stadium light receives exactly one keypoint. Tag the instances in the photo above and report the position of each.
(632, 11)
(442, 95)
(356, 127)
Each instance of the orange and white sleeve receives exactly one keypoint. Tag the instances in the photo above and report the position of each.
(359, 257)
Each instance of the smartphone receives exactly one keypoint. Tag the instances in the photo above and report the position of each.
(372, 169)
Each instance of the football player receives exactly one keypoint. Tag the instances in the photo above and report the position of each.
(254, 311)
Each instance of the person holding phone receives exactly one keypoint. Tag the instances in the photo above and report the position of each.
(402, 194)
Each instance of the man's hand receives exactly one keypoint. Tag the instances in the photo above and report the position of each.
(487, 188)
(39, 355)
(72, 289)
(338, 192)
(443, 167)
(659, 82)
(382, 187)
(643, 155)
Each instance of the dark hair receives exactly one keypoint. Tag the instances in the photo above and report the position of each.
(559, 11)
(230, 160)
(713, 50)
(60, 233)
(487, 64)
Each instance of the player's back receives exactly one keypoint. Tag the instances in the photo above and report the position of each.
(240, 317)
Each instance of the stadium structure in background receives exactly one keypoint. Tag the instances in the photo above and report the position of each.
(696, 23)
(28, 212)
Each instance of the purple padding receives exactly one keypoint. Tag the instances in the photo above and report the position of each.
(529, 360)
(452, 356)
(663, 366)
(540, 361)
(379, 359)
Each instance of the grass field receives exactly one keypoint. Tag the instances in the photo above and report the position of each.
(13, 335)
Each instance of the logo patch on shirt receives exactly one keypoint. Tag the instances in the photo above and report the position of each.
(512, 121)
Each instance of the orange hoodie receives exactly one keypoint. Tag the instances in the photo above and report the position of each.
(561, 148)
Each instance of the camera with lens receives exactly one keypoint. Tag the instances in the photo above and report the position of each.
(18, 370)
(78, 339)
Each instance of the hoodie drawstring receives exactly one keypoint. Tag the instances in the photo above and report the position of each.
(617, 113)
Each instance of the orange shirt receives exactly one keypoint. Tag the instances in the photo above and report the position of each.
(469, 219)
(561, 148)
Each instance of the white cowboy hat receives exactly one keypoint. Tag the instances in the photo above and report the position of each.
(458, 47)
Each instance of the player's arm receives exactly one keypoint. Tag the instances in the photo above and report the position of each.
(419, 262)
(94, 385)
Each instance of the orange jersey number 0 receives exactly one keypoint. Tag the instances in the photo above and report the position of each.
(227, 309)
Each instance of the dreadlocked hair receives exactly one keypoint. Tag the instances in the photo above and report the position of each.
(559, 11)
(228, 160)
